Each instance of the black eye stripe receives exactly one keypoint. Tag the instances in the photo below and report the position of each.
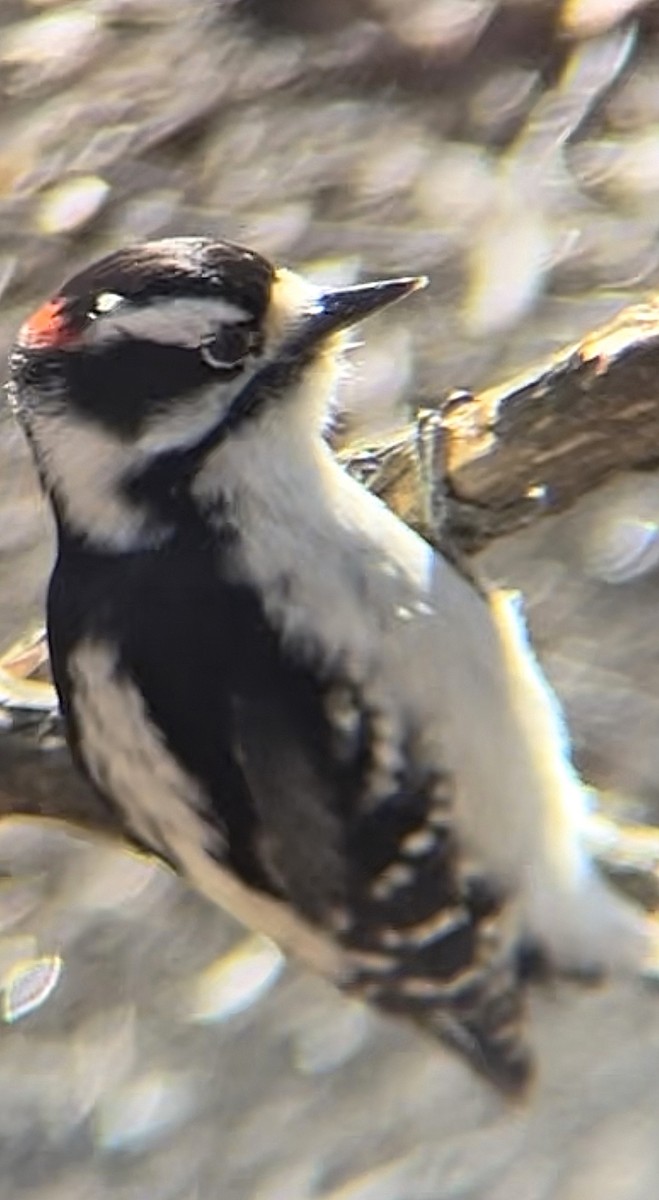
(124, 383)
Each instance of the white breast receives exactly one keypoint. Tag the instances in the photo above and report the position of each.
(337, 570)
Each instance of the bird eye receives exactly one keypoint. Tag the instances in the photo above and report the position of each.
(229, 346)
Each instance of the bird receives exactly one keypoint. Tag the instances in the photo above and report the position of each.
(296, 701)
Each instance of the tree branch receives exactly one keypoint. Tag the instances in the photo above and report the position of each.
(534, 445)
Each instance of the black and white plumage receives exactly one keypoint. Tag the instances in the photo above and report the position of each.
(287, 693)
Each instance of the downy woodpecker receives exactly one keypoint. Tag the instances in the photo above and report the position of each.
(287, 694)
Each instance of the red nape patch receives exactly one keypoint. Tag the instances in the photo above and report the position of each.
(48, 326)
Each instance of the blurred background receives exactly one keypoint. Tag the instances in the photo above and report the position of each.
(510, 150)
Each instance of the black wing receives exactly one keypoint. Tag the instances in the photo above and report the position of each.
(423, 935)
(290, 764)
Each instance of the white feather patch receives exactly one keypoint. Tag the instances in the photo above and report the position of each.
(175, 322)
(569, 906)
(83, 465)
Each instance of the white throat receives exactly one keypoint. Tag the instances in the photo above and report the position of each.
(324, 555)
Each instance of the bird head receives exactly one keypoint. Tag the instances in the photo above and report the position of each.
(143, 362)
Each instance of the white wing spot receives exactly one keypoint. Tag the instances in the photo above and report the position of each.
(342, 711)
(441, 924)
(392, 938)
(375, 964)
(386, 755)
(418, 843)
(398, 875)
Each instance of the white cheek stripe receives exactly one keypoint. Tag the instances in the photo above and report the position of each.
(83, 467)
(175, 322)
(86, 466)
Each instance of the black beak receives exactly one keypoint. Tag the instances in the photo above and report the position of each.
(339, 308)
(329, 313)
